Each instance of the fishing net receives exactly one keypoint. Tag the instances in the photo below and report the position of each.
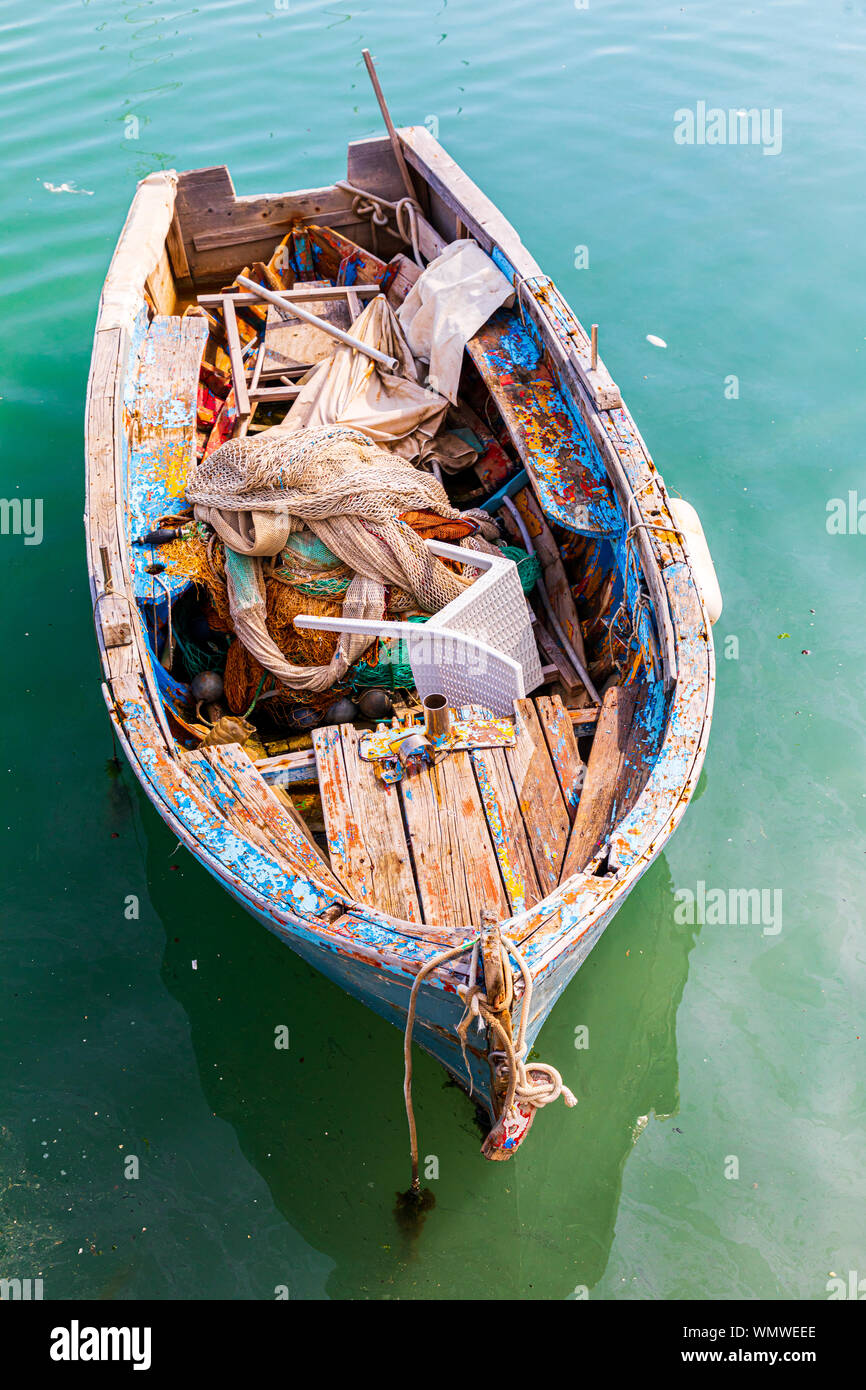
(347, 491)
(334, 484)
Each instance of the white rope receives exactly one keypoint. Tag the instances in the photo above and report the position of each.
(522, 1087)
(405, 211)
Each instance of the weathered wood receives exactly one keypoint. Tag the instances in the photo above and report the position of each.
(250, 232)
(548, 645)
(568, 765)
(598, 799)
(377, 807)
(365, 832)
(455, 865)
(257, 811)
(329, 328)
(239, 379)
(221, 231)
(584, 716)
(290, 343)
(544, 433)
(162, 433)
(552, 568)
(407, 272)
(408, 185)
(539, 795)
(371, 164)
(506, 826)
(294, 814)
(299, 761)
(104, 400)
(161, 287)
(299, 292)
(177, 254)
(274, 393)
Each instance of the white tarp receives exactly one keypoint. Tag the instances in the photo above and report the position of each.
(393, 409)
(448, 303)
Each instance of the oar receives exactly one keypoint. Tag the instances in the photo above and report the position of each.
(392, 134)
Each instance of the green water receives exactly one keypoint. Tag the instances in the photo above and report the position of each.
(259, 1167)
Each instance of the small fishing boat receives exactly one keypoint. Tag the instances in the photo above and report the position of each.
(431, 741)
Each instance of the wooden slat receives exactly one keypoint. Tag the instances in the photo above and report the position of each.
(506, 827)
(301, 293)
(553, 570)
(234, 345)
(561, 667)
(365, 833)
(377, 808)
(554, 452)
(257, 807)
(455, 866)
(539, 795)
(162, 432)
(598, 799)
(479, 861)
(570, 769)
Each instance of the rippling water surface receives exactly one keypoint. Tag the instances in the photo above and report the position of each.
(707, 1043)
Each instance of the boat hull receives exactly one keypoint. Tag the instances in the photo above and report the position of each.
(372, 958)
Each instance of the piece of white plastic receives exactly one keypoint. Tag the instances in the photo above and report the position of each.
(689, 523)
(478, 649)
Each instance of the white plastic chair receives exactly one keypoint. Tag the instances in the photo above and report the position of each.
(478, 649)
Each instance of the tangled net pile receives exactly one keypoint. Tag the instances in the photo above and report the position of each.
(351, 495)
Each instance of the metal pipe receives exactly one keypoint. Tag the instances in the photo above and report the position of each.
(292, 307)
(548, 606)
(437, 716)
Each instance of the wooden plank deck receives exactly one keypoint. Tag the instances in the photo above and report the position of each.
(364, 826)
(480, 834)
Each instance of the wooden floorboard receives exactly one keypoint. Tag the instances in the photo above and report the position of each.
(364, 826)
(539, 795)
(506, 826)
(377, 808)
(455, 865)
(604, 771)
(568, 765)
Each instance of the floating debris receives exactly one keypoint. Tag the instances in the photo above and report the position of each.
(656, 342)
(66, 188)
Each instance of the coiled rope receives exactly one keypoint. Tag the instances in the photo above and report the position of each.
(507, 1054)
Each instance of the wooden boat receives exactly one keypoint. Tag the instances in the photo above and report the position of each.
(484, 880)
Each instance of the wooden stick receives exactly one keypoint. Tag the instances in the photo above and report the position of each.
(325, 292)
(253, 390)
(275, 393)
(293, 308)
(239, 379)
(389, 125)
(593, 359)
(584, 716)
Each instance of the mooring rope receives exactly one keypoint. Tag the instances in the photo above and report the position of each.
(521, 1087)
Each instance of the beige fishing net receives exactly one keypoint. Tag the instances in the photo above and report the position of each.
(257, 492)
